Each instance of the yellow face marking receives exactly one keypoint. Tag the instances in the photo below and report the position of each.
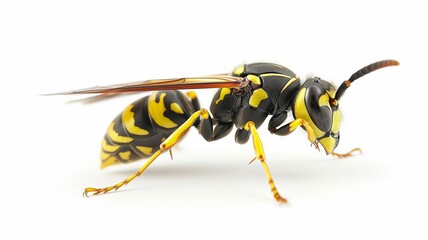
(257, 96)
(108, 148)
(223, 93)
(108, 162)
(328, 143)
(114, 136)
(239, 70)
(125, 155)
(324, 100)
(146, 150)
(300, 111)
(336, 121)
(288, 83)
(157, 110)
(129, 122)
(175, 107)
(254, 79)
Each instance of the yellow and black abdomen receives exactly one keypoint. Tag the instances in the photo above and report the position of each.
(138, 131)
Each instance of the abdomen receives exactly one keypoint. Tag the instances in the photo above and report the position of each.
(138, 131)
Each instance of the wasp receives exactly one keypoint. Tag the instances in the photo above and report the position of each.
(246, 97)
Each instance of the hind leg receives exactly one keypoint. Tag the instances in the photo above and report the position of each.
(174, 138)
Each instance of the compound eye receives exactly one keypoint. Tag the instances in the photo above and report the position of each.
(320, 115)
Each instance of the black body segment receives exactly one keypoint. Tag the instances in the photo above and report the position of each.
(270, 92)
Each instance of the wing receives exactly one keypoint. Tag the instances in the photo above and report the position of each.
(212, 81)
(99, 97)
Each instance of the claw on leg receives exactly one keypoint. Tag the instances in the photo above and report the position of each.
(276, 194)
(316, 145)
(348, 154)
(96, 191)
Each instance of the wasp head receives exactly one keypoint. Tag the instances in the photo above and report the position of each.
(315, 103)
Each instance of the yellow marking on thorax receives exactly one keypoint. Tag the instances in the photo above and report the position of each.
(288, 83)
(116, 137)
(129, 122)
(254, 79)
(157, 110)
(300, 111)
(257, 96)
(175, 107)
(275, 74)
(145, 150)
(239, 70)
(108, 148)
(223, 93)
(125, 155)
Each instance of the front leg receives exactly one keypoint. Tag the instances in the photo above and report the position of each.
(290, 127)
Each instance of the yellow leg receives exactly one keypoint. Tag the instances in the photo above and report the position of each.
(311, 133)
(291, 126)
(260, 155)
(175, 137)
(348, 154)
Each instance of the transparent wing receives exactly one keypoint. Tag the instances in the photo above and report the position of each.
(212, 81)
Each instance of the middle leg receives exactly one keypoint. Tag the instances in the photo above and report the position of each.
(260, 155)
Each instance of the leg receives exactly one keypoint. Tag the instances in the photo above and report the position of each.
(290, 127)
(344, 155)
(221, 130)
(206, 127)
(175, 137)
(260, 155)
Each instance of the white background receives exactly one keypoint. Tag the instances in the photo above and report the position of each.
(50, 149)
